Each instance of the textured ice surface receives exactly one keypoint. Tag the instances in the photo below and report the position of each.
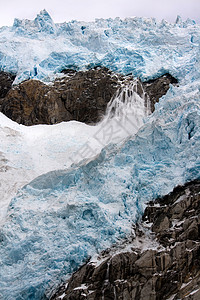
(27, 152)
(144, 47)
(61, 218)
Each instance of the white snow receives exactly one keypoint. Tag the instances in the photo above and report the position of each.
(181, 198)
(194, 292)
(27, 152)
(81, 287)
(62, 296)
(58, 220)
(61, 218)
(185, 284)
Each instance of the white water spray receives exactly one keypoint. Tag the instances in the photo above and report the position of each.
(127, 109)
(124, 116)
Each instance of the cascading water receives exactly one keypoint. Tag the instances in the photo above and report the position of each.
(130, 98)
(61, 218)
(127, 109)
(124, 116)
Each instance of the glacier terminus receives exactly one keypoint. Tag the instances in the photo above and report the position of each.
(57, 213)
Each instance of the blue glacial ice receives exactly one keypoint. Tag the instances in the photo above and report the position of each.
(61, 218)
(144, 47)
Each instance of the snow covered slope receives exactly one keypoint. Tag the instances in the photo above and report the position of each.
(144, 47)
(61, 218)
(27, 152)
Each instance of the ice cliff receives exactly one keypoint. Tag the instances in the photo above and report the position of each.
(144, 47)
(60, 219)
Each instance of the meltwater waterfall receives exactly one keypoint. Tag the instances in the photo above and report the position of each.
(126, 110)
(130, 100)
(61, 218)
(46, 234)
(124, 116)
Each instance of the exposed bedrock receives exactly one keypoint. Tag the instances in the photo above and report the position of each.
(80, 96)
(156, 88)
(6, 80)
(161, 262)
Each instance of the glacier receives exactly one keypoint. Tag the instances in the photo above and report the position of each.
(27, 152)
(146, 48)
(62, 217)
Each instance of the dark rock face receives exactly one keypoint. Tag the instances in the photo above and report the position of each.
(169, 269)
(87, 94)
(156, 88)
(80, 96)
(6, 80)
(32, 102)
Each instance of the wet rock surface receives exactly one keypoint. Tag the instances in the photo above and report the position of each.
(161, 261)
(80, 96)
(6, 80)
(158, 87)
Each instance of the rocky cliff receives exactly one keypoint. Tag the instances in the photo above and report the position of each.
(6, 80)
(80, 96)
(160, 262)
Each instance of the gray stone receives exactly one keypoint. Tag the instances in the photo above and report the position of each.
(172, 270)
